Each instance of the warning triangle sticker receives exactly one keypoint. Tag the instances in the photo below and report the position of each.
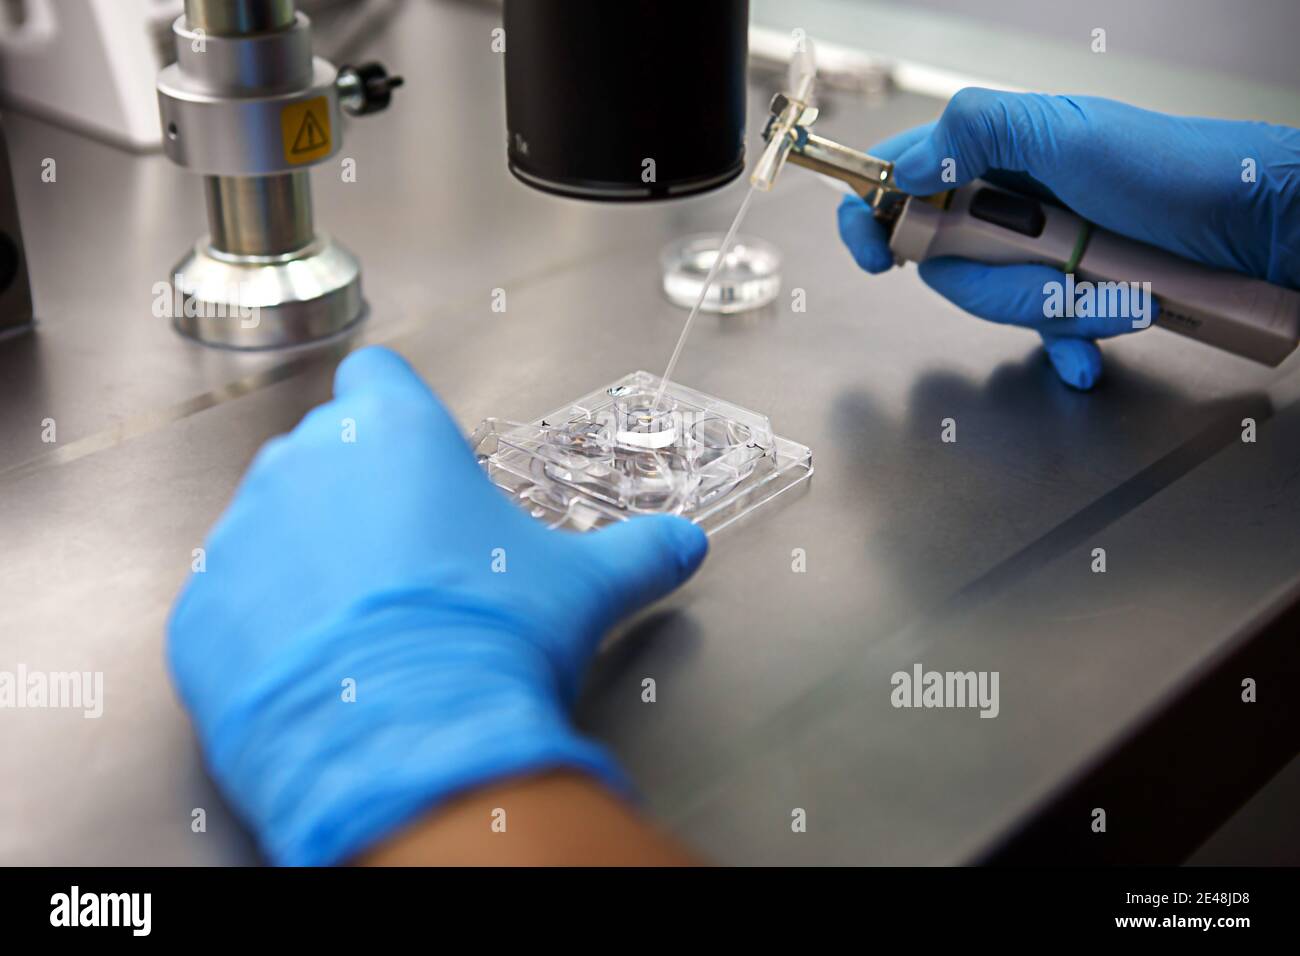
(311, 136)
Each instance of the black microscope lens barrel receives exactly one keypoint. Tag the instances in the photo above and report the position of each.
(626, 99)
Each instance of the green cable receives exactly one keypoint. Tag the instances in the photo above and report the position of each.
(1080, 244)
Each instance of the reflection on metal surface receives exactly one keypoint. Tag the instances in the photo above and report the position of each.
(842, 686)
(156, 419)
(235, 17)
(260, 215)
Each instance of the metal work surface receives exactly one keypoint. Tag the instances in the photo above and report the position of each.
(773, 686)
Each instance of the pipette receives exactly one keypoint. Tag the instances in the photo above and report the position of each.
(803, 71)
(704, 291)
(1246, 316)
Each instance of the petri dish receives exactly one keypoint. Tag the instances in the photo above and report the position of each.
(749, 279)
(641, 446)
(643, 424)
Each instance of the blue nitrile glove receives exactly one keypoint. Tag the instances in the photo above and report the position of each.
(1220, 192)
(379, 628)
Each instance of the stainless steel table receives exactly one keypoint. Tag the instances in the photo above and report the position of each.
(773, 686)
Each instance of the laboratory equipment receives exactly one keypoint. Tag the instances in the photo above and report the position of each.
(625, 101)
(1240, 314)
(624, 450)
(750, 276)
(249, 107)
(92, 65)
(592, 117)
(89, 64)
(15, 287)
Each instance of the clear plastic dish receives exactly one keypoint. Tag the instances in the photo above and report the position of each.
(614, 453)
(750, 277)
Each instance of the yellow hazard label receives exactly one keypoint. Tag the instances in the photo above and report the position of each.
(306, 129)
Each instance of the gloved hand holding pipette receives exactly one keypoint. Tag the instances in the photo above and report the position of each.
(1225, 194)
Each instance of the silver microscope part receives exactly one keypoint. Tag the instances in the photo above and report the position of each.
(263, 277)
(235, 17)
